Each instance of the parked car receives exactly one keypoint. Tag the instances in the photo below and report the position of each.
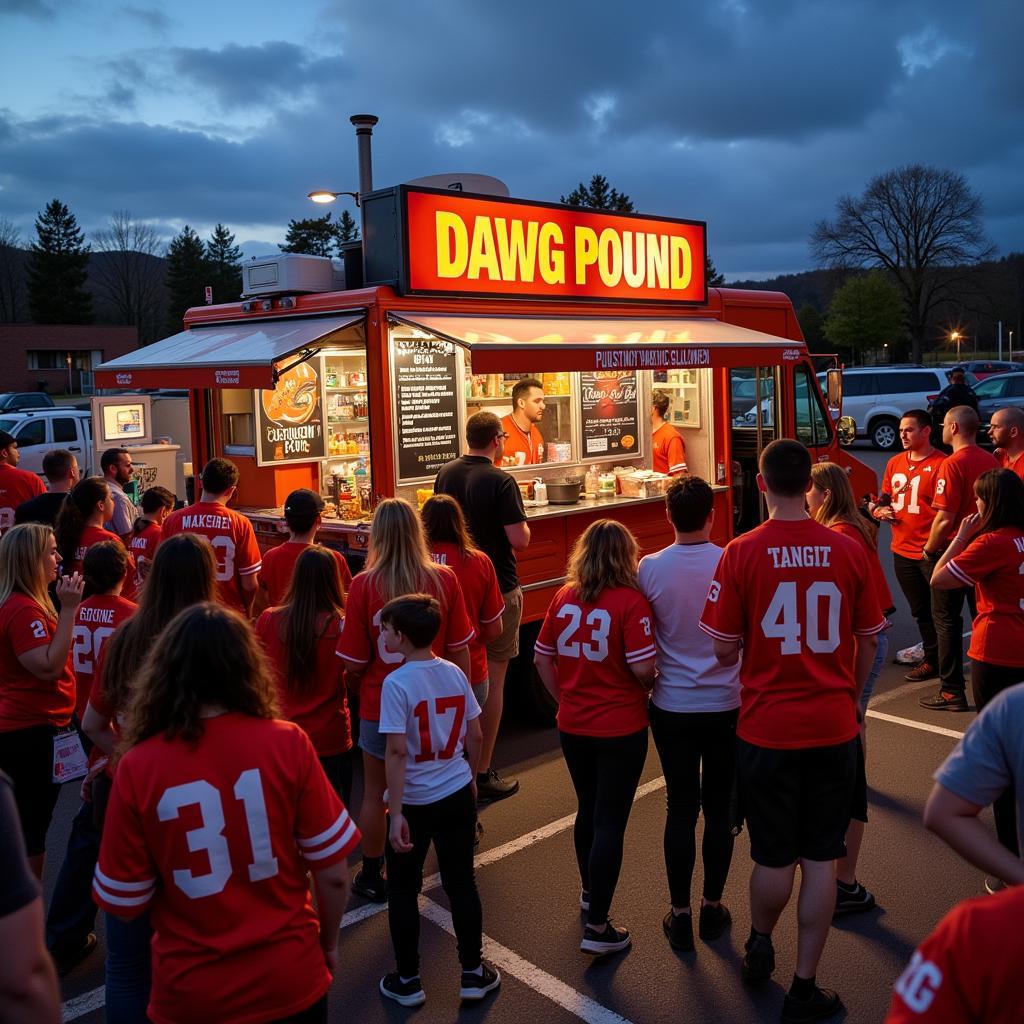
(875, 397)
(995, 393)
(984, 368)
(14, 401)
(41, 430)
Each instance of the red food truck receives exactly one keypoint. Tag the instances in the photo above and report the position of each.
(360, 388)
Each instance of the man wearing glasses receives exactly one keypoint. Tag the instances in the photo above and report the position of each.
(116, 466)
(493, 507)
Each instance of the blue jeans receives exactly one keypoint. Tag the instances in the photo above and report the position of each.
(128, 969)
(876, 669)
(72, 913)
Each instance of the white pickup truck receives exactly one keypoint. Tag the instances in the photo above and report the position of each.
(39, 431)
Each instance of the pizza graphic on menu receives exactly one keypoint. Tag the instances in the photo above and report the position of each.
(295, 398)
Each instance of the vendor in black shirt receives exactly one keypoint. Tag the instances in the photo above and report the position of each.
(61, 470)
(493, 508)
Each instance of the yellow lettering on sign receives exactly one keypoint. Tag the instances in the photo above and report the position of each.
(482, 255)
(682, 263)
(517, 249)
(609, 257)
(657, 261)
(634, 266)
(586, 252)
(452, 244)
(552, 256)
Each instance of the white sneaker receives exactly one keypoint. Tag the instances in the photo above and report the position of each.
(910, 655)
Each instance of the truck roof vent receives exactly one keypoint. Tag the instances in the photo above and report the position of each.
(291, 273)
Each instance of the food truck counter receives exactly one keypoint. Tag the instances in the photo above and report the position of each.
(610, 505)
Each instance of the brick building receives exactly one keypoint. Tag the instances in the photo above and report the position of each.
(57, 354)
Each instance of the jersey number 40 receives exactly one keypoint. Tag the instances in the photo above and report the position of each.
(812, 630)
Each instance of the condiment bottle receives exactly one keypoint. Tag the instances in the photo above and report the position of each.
(540, 492)
(591, 482)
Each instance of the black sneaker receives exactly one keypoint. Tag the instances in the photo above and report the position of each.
(678, 930)
(408, 993)
(475, 986)
(852, 901)
(373, 889)
(944, 701)
(493, 787)
(713, 921)
(824, 1003)
(994, 885)
(759, 960)
(68, 959)
(926, 670)
(611, 940)
(479, 834)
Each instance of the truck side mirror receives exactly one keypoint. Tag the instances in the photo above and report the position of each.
(834, 391)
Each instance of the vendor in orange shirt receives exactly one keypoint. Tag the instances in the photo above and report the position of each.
(524, 445)
(666, 441)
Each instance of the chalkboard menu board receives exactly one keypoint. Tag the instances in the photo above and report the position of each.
(609, 414)
(424, 372)
(289, 419)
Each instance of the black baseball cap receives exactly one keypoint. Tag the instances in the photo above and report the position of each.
(303, 502)
(6, 440)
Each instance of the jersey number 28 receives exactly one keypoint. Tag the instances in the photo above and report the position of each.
(782, 620)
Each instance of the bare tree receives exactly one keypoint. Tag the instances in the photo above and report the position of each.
(130, 273)
(920, 223)
(12, 273)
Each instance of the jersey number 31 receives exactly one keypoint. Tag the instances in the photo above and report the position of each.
(819, 632)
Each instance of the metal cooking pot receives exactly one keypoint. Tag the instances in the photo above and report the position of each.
(565, 491)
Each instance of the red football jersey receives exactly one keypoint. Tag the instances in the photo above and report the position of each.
(16, 486)
(1004, 460)
(26, 700)
(968, 970)
(279, 565)
(668, 450)
(480, 591)
(215, 839)
(870, 555)
(954, 490)
(994, 563)
(318, 704)
(794, 594)
(233, 540)
(95, 621)
(593, 646)
(97, 535)
(142, 546)
(361, 639)
(912, 486)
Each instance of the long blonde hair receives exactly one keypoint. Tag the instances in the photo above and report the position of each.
(604, 555)
(22, 552)
(840, 506)
(399, 561)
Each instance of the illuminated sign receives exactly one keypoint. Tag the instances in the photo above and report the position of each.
(475, 245)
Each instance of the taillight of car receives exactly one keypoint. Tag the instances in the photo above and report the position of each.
(931, 398)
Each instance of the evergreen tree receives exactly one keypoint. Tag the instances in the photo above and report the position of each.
(187, 276)
(812, 323)
(58, 266)
(224, 265)
(316, 236)
(347, 230)
(598, 195)
(714, 278)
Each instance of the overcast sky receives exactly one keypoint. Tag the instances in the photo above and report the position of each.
(754, 116)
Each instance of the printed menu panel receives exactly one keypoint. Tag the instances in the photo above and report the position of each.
(426, 406)
(609, 414)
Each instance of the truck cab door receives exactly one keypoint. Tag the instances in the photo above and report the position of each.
(754, 423)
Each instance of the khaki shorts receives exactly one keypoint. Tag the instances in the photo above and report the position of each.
(506, 645)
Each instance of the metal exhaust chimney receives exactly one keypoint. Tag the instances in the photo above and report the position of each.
(363, 124)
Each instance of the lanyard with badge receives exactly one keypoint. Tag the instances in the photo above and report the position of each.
(69, 758)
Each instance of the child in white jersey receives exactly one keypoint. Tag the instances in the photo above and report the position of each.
(429, 716)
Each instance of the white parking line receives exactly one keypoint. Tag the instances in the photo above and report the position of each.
(533, 976)
(911, 724)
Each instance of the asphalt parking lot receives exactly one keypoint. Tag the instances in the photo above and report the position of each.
(529, 888)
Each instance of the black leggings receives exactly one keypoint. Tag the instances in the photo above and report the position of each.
(605, 772)
(338, 769)
(687, 742)
(451, 825)
(315, 1014)
(26, 755)
(987, 681)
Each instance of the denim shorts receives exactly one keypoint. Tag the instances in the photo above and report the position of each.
(876, 670)
(371, 740)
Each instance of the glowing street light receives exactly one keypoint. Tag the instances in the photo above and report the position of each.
(322, 195)
(956, 336)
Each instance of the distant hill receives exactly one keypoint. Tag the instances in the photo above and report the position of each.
(810, 287)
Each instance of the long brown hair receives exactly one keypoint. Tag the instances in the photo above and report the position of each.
(604, 555)
(399, 559)
(184, 573)
(316, 595)
(75, 512)
(445, 524)
(1003, 493)
(840, 505)
(22, 551)
(208, 656)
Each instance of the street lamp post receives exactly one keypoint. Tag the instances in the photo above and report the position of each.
(956, 336)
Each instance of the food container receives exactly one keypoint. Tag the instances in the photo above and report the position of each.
(643, 483)
(526, 489)
(540, 492)
(606, 485)
(423, 494)
(565, 491)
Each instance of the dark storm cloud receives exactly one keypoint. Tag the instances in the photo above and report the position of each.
(250, 76)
